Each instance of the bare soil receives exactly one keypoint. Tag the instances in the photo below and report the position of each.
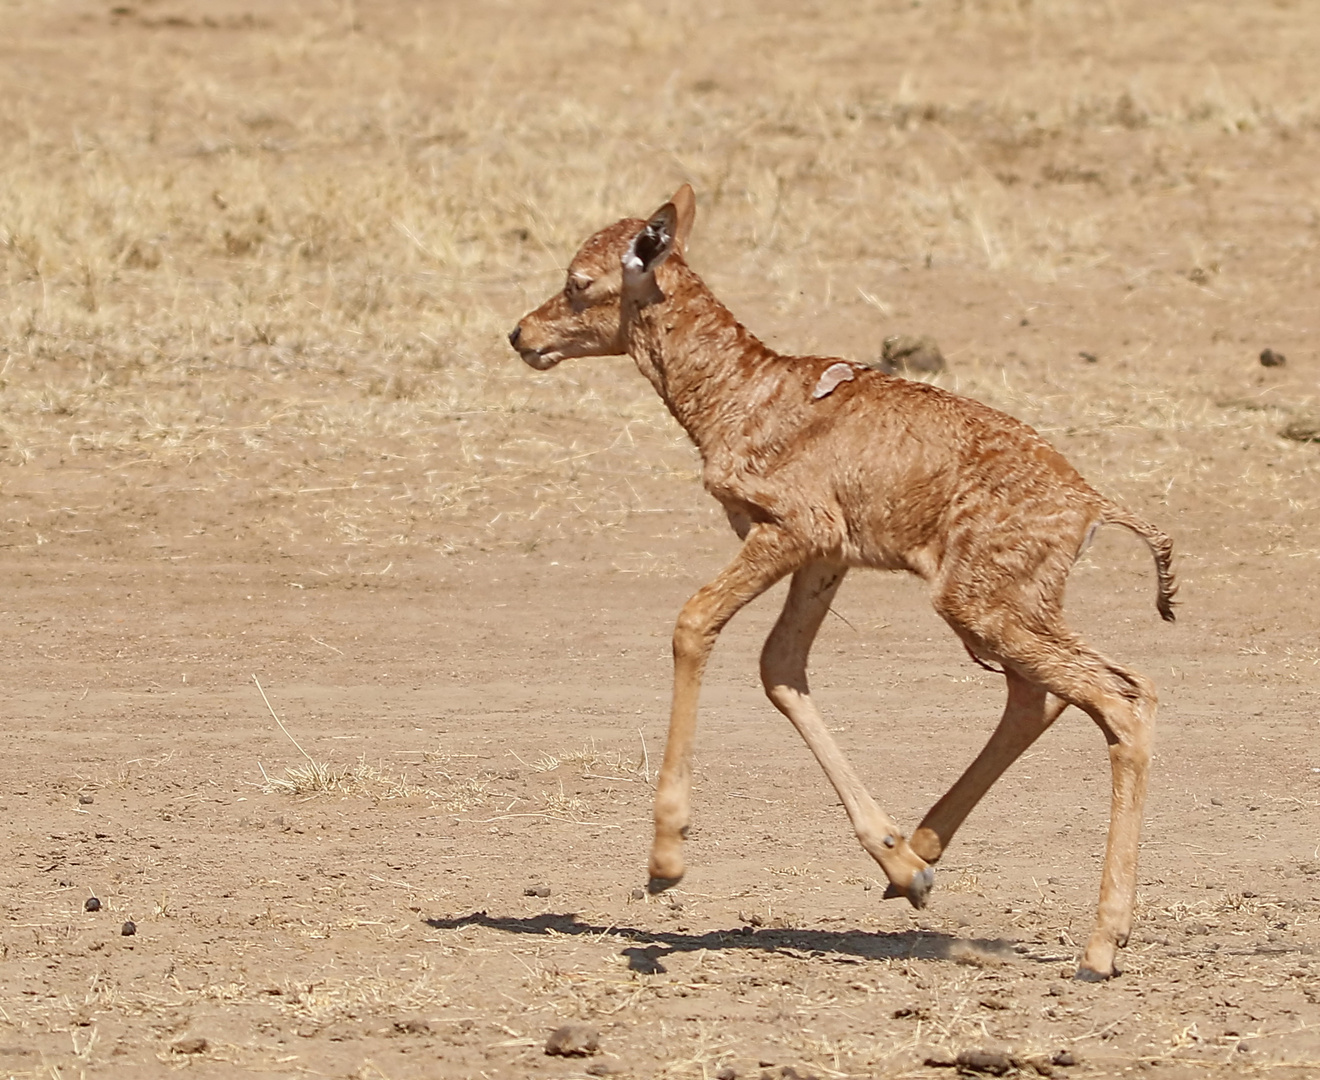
(261, 435)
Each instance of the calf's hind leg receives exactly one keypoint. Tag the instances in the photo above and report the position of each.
(784, 675)
(1122, 704)
(1026, 716)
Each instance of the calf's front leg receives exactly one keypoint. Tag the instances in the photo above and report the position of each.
(764, 558)
(784, 675)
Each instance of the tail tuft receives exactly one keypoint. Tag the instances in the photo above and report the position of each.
(1161, 547)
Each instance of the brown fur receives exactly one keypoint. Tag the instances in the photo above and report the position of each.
(874, 472)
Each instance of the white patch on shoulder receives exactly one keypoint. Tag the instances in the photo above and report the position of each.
(841, 372)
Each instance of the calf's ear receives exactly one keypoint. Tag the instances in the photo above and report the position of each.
(685, 204)
(649, 248)
(653, 245)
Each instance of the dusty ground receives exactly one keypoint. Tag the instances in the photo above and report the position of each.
(259, 422)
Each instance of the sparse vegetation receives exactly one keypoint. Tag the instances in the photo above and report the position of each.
(256, 267)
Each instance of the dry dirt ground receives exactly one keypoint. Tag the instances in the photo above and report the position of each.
(258, 422)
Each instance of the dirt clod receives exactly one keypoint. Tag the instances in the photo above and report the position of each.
(1306, 430)
(989, 1062)
(537, 890)
(573, 1040)
(1064, 1058)
(191, 1044)
(904, 355)
(85, 799)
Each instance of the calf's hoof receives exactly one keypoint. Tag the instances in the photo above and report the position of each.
(1098, 961)
(1086, 974)
(918, 892)
(660, 884)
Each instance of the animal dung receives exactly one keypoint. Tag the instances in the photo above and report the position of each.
(128, 929)
(91, 904)
(1270, 358)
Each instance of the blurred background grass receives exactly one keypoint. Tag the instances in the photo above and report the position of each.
(271, 252)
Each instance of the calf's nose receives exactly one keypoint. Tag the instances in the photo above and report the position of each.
(514, 335)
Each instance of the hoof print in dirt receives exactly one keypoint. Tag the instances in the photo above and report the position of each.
(192, 1044)
(904, 355)
(1303, 430)
(573, 1040)
(91, 904)
(1270, 358)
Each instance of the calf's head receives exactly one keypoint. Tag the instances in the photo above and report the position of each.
(609, 280)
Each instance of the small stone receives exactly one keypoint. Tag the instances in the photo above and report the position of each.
(91, 904)
(600, 1068)
(537, 890)
(128, 929)
(86, 799)
(1089, 357)
(726, 1072)
(573, 1040)
(1270, 358)
(192, 1044)
(637, 894)
(1064, 1059)
(412, 1026)
(991, 1062)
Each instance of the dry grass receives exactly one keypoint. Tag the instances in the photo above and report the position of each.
(232, 273)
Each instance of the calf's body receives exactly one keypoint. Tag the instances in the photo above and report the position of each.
(822, 466)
